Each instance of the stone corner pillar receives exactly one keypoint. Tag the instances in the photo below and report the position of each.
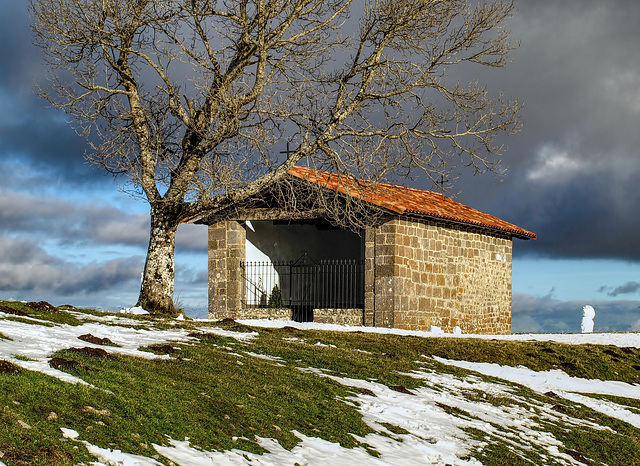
(369, 276)
(227, 249)
(380, 275)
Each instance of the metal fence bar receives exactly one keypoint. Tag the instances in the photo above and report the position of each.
(329, 284)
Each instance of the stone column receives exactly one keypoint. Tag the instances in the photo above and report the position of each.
(369, 276)
(385, 284)
(227, 248)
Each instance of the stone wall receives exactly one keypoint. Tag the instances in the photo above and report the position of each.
(419, 274)
(351, 317)
(264, 313)
(226, 251)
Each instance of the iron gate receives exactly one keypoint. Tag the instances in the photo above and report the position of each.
(304, 285)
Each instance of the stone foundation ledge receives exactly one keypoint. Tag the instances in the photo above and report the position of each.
(264, 313)
(353, 317)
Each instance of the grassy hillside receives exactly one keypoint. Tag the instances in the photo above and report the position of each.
(224, 392)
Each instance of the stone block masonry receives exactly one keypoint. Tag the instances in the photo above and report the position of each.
(419, 273)
(351, 317)
(264, 313)
(227, 248)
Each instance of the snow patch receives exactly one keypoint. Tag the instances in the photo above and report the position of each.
(627, 339)
(562, 385)
(69, 433)
(263, 356)
(136, 310)
(37, 343)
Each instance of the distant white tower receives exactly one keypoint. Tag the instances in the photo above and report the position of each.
(588, 313)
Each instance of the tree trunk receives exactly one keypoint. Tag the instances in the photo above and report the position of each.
(156, 291)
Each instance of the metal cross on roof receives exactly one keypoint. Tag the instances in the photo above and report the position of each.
(441, 183)
(288, 152)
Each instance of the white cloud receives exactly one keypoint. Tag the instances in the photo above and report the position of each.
(555, 164)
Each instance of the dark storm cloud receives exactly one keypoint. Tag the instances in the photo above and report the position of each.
(20, 59)
(193, 276)
(544, 314)
(573, 169)
(26, 267)
(191, 238)
(591, 213)
(30, 131)
(43, 139)
(575, 73)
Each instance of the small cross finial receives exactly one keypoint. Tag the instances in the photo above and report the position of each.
(288, 152)
(441, 183)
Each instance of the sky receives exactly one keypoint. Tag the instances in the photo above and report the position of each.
(69, 234)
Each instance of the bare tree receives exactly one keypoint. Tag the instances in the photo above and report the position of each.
(190, 100)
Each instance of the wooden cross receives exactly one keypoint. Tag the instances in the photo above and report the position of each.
(288, 152)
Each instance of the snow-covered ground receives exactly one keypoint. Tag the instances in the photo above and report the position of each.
(616, 339)
(434, 435)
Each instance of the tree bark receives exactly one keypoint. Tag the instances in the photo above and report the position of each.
(156, 290)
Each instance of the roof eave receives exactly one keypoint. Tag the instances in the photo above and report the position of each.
(520, 234)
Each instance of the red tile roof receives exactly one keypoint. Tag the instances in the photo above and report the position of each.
(402, 200)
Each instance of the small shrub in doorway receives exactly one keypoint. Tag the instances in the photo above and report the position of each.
(275, 298)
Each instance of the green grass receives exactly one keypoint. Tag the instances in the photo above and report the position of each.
(210, 398)
(54, 316)
(31, 397)
(220, 397)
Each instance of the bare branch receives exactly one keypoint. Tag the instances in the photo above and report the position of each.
(192, 101)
